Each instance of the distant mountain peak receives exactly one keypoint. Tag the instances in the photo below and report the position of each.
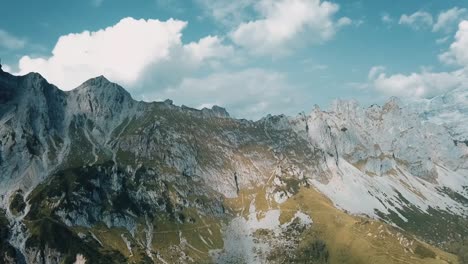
(98, 82)
(100, 85)
(34, 78)
(219, 111)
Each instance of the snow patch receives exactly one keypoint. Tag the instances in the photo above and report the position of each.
(240, 244)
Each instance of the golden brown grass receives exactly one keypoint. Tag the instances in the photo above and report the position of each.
(353, 239)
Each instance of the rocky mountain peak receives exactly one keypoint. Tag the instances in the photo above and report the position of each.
(99, 81)
(394, 103)
(218, 111)
(31, 89)
(99, 95)
(33, 80)
(101, 87)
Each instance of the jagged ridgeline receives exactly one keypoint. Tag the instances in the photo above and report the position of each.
(93, 176)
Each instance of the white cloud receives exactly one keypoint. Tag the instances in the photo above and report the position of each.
(174, 6)
(427, 84)
(418, 20)
(206, 48)
(374, 71)
(458, 51)
(227, 12)
(386, 18)
(286, 23)
(8, 41)
(442, 40)
(6, 68)
(444, 22)
(448, 18)
(420, 85)
(124, 52)
(346, 21)
(248, 93)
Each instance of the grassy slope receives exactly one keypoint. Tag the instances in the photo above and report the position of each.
(354, 239)
(348, 239)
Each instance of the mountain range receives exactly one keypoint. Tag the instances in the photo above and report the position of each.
(94, 176)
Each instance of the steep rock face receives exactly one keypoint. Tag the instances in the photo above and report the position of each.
(40, 123)
(31, 118)
(387, 161)
(216, 150)
(120, 178)
(379, 138)
(104, 103)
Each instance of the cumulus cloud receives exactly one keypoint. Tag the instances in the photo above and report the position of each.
(420, 85)
(9, 41)
(445, 21)
(448, 18)
(374, 71)
(123, 52)
(149, 57)
(207, 48)
(6, 68)
(248, 93)
(285, 23)
(205, 55)
(427, 84)
(418, 20)
(458, 51)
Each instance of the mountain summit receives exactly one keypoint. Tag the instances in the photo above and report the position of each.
(93, 176)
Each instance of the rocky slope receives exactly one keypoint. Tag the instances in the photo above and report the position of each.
(93, 176)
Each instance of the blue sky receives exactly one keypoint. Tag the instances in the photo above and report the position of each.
(252, 56)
